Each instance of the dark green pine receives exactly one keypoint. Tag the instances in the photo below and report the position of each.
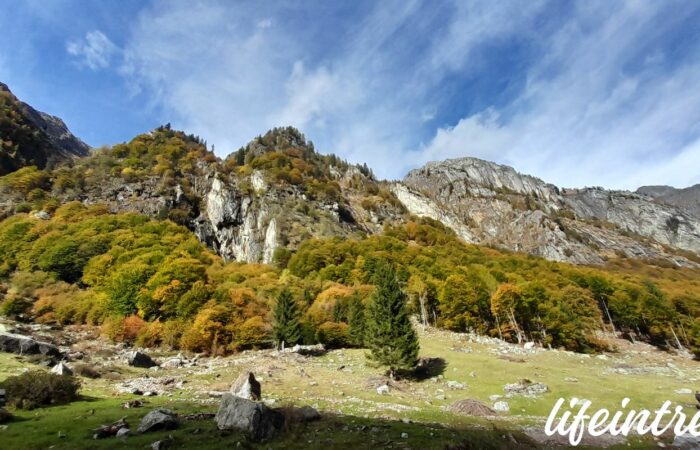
(287, 327)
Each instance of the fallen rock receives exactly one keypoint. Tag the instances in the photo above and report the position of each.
(383, 389)
(256, 419)
(501, 406)
(24, 345)
(684, 391)
(140, 359)
(525, 387)
(62, 369)
(686, 442)
(160, 445)
(246, 386)
(306, 350)
(158, 419)
(469, 407)
(123, 432)
(308, 414)
(105, 431)
(455, 385)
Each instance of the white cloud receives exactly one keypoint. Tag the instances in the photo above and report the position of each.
(368, 91)
(584, 119)
(94, 51)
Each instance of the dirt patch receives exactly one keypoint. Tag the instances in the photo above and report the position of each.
(468, 407)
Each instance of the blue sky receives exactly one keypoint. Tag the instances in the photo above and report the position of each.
(578, 93)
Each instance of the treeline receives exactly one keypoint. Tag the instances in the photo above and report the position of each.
(152, 283)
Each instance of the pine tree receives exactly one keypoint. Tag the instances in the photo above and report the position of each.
(390, 335)
(357, 323)
(287, 329)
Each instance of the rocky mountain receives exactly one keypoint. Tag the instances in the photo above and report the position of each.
(31, 137)
(490, 204)
(255, 206)
(688, 198)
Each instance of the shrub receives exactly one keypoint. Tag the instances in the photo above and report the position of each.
(86, 371)
(333, 334)
(38, 388)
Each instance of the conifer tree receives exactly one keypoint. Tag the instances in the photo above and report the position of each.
(287, 329)
(356, 323)
(390, 335)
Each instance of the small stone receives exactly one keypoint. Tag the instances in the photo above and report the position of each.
(501, 406)
(404, 435)
(383, 389)
(61, 435)
(529, 345)
(684, 391)
(123, 432)
(61, 369)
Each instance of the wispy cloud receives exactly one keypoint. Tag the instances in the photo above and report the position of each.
(594, 98)
(95, 50)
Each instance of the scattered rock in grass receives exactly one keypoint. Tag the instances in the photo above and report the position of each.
(469, 407)
(140, 359)
(123, 432)
(61, 369)
(404, 435)
(198, 417)
(686, 442)
(684, 391)
(132, 404)
(246, 386)
(571, 380)
(526, 388)
(158, 419)
(383, 389)
(24, 345)
(105, 431)
(256, 419)
(455, 385)
(161, 445)
(308, 414)
(306, 350)
(501, 406)
(529, 345)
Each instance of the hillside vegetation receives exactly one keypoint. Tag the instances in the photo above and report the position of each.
(151, 282)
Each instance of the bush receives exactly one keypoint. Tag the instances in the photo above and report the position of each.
(85, 371)
(38, 388)
(333, 334)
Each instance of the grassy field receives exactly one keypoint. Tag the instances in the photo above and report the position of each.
(342, 387)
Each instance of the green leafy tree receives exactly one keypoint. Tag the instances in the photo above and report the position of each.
(287, 329)
(390, 336)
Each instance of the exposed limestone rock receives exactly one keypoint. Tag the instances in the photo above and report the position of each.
(61, 369)
(486, 203)
(158, 419)
(24, 345)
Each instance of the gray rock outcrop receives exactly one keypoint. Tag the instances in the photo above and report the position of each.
(246, 386)
(256, 419)
(24, 345)
(158, 419)
(490, 204)
(140, 359)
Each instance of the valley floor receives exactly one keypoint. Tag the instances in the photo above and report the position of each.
(412, 414)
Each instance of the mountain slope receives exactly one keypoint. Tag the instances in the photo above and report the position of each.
(687, 198)
(486, 203)
(32, 138)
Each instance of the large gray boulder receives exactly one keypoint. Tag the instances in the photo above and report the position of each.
(61, 369)
(24, 345)
(256, 419)
(158, 419)
(140, 359)
(246, 386)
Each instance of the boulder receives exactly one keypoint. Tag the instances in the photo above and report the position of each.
(105, 431)
(308, 414)
(24, 345)
(158, 419)
(123, 432)
(140, 359)
(686, 442)
(246, 386)
(256, 419)
(501, 406)
(306, 350)
(61, 369)
(383, 389)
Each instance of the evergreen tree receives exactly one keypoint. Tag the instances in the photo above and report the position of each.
(287, 329)
(389, 333)
(357, 323)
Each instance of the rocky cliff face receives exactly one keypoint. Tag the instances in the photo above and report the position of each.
(486, 203)
(687, 199)
(33, 137)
